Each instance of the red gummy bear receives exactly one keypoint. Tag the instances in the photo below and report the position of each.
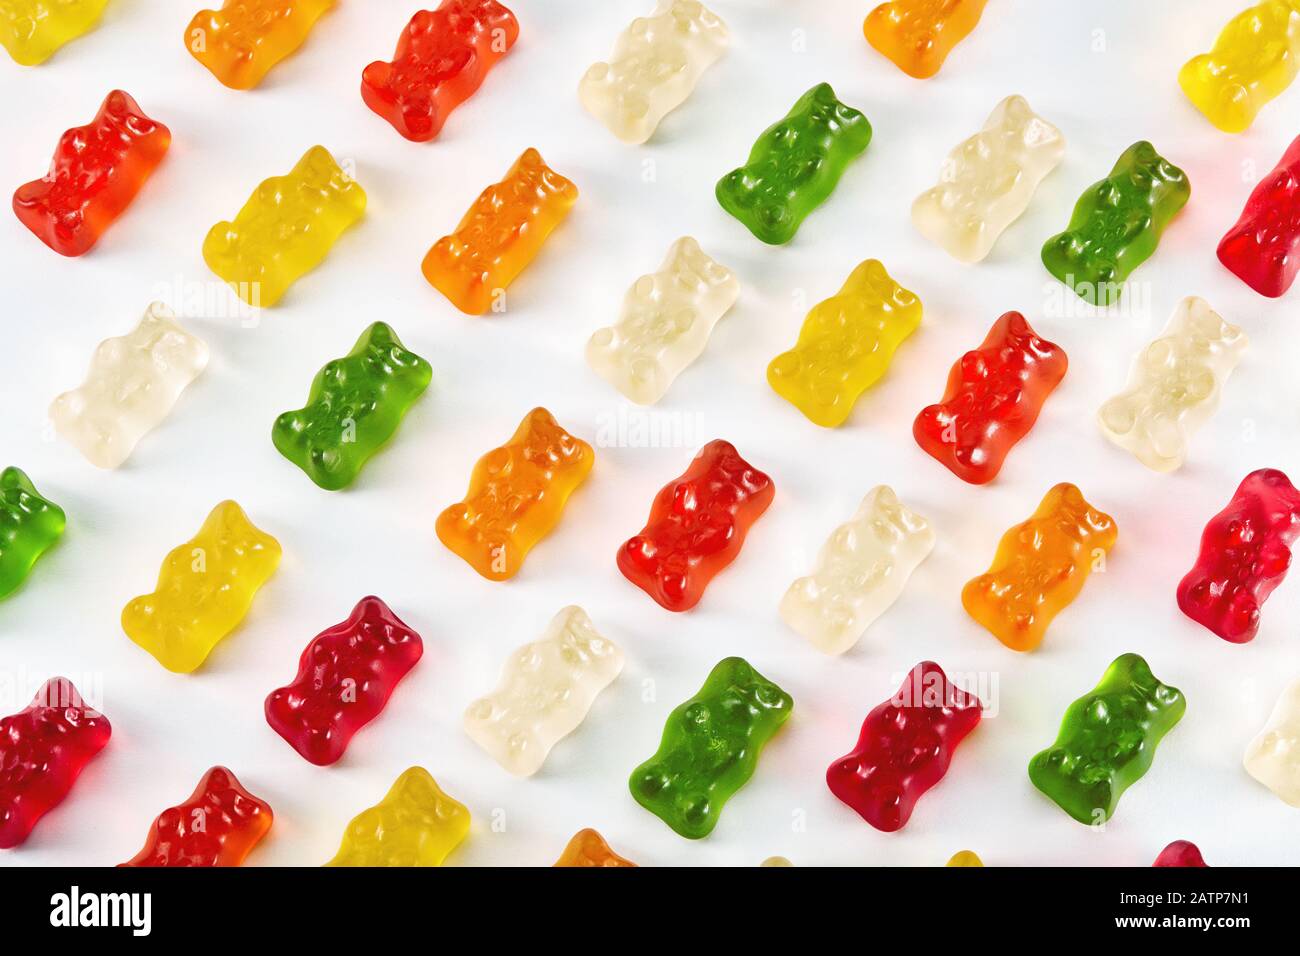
(43, 750)
(696, 527)
(442, 57)
(1263, 248)
(905, 747)
(96, 171)
(345, 677)
(217, 826)
(1245, 553)
(1180, 853)
(993, 398)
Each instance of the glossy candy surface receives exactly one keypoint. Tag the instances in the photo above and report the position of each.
(697, 525)
(1107, 741)
(32, 30)
(665, 323)
(589, 849)
(1180, 853)
(205, 588)
(546, 689)
(845, 345)
(133, 383)
(918, 35)
(416, 824)
(1252, 61)
(710, 747)
(355, 406)
(1245, 554)
(1117, 224)
(218, 825)
(1040, 567)
(794, 165)
(516, 496)
(1273, 757)
(988, 180)
(1174, 387)
(905, 747)
(1263, 247)
(500, 235)
(43, 750)
(286, 228)
(96, 172)
(656, 63)
(30, 524)
(345, 676)
(992, 399)
(442, 57)
(241, 42)
(861, 571)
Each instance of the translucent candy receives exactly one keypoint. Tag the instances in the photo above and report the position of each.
(133, 383)
(546, 689)
(665, 324)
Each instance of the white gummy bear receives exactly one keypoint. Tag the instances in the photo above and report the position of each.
(656, 63)
(988, 180)
(545, 691)
(1174, 386)
(1273, 758)
(133, 382)
(665, 324)
(861, 571)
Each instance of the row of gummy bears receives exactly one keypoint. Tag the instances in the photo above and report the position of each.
(699, 521)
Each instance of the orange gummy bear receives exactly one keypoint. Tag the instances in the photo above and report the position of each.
(502, 232)
(1041, 566)
(918, 35)
(242, 41)
(588, 848)
(516, 496)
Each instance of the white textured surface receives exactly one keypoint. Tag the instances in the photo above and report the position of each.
(1104, 72)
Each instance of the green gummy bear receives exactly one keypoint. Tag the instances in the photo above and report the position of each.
(1117, 224)
(29, 526)
(355, 405)
(794, 165)
(710, 747)
(1107, 741)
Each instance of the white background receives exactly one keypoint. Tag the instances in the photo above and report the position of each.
(1105, 72)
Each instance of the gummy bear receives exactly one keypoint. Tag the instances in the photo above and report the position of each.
(133, 383)
(500, 235)
(204, 589)
(665, 324)
(29, 526)
(345, 676)
(355, 405)
(96, 172)
(43, 750)
(710, 747)
(656, 63)
(218, 825)
(794, 165)
(242, 41)
(416, 824)
(516, 496)
(286, 228)
(845, 345)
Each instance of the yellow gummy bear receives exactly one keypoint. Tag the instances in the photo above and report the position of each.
(416, 824)
(204, 589)
(965, 858)
(31, 30)
(845, 345)
(1252, 61)
(286, 228)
